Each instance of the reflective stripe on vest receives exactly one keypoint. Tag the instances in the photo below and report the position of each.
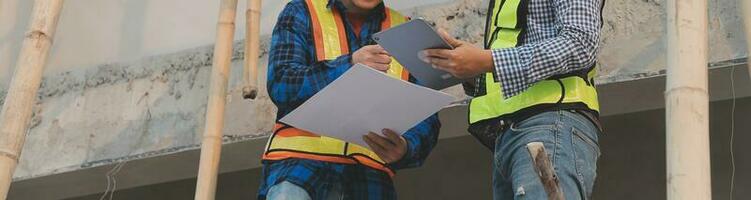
(330, 35)
(505, 26)
(330, 42)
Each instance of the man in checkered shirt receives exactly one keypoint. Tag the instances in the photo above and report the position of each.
(556, 38)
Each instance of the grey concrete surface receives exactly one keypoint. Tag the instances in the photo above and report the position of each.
(242, 152)
(146, 106)
(618, 99)
(632, 165)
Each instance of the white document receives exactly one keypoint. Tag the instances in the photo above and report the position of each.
(364, 100)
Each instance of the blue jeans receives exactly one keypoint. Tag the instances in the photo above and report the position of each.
(570, 141)
(289, 191)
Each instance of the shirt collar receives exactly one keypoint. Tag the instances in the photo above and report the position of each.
(379, 12)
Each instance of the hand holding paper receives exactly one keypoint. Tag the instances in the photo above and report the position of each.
(390, 146)
(372, 56)
(364, 100)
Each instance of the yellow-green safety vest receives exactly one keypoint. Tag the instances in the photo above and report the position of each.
(505, 27)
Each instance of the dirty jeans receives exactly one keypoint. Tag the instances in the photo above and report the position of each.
(570, 141)
(289, 191)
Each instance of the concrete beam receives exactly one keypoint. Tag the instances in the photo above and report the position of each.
(639, 94)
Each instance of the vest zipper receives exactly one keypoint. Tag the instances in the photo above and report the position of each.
(488, 19)
(493, 23)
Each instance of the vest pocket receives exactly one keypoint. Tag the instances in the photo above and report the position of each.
(580, 136)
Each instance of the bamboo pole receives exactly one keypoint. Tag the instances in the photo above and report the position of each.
(17, 110)
(687, 101)
(252, 45)
(211, 145)
(746, 4)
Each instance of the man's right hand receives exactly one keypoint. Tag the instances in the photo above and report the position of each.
(374, 56)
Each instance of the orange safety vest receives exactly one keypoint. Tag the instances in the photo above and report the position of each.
(330, 42)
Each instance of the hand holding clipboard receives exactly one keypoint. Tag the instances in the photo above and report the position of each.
(406, 42)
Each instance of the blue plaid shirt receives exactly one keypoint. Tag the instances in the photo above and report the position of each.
(295, 75)
(562, 36)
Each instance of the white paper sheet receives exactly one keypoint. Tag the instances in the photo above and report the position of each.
(364, 100)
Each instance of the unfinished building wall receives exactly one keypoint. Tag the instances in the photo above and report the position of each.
(128, 80)
(149, 99)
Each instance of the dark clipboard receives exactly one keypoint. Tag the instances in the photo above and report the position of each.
(404, 43)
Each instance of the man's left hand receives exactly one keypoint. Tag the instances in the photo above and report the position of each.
(390, 148)
(464, 61)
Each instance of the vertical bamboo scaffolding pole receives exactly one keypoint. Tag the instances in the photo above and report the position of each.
(211, 145)
(252, 45)
(746, 4)
(17, 110)
(687, 101)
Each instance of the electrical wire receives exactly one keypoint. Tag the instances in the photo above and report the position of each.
(109, 192)
(732, 132)
(112, 181)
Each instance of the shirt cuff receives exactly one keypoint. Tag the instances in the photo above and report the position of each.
(469, 88)
(410, 158)
(509, 70)
(341, 61)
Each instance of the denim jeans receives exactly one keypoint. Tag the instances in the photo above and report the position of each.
(570, 141)
(289, 191)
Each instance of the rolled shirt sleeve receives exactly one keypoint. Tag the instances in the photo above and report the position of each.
(572, 48)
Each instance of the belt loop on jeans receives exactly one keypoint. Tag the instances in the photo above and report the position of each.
(504, 125)
(591, 117)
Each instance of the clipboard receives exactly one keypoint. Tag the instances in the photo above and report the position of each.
(404, 43)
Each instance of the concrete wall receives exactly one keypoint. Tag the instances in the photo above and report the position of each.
(633, 34)
(128, 79)
(627, 140)
(91, 33)
(94, 33)
(632, 165)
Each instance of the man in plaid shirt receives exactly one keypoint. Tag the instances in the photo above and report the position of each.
(295, 75)
(532, 46)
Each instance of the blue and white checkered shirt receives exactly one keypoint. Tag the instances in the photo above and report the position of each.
(562, 36)
(295, 75)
